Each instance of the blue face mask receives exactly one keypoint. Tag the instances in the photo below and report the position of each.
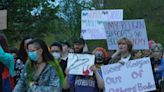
(33, 55)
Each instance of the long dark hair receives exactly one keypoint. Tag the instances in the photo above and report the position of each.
(3, 42)
(41, 44)
(22, 54)
(47, 57)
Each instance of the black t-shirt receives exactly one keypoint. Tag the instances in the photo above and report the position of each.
(63, 65)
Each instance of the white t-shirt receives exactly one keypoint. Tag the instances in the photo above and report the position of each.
(126, 59)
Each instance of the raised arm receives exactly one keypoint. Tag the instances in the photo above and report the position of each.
(8, 60)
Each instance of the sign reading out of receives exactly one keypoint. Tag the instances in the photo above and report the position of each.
(133, 76)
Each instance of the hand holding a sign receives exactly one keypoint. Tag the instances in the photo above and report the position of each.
(116, 54)
(121, 62)
(130, 77)
(93, 68)
(79, 64)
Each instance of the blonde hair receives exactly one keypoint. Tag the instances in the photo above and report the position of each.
(127, 41)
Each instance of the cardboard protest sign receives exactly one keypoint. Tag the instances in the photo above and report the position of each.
(135, 30)
(133, 76)
(92, 22)
(3, 19)
(79, 64)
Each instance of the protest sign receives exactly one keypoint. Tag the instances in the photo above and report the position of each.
(133, 76)
(134, 30)
(79, 64)
(3, 19)
(92, 22)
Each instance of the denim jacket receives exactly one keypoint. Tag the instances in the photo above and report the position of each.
(48, 81)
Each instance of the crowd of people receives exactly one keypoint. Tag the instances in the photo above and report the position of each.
(36, 67)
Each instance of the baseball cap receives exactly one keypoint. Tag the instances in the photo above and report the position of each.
(79, 40)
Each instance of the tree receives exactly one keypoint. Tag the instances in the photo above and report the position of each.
(150, 10)
(71, 9)
(30, 17)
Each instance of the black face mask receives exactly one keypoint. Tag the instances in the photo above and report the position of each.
(99, 60)
(99, 57)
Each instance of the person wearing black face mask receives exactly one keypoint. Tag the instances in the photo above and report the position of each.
(101, 58)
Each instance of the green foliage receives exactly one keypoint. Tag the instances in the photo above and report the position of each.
(49, 25)
(150, 10)
(22, 23)
(70, 29)
(59, 72)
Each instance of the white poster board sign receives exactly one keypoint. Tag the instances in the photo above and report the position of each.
(134, 76)
(92, 22)
(135, 30)
(79, 64)
(3, 19)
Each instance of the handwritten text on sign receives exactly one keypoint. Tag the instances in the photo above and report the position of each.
(79, 64)
(3, 19)
(92, 22)
(134, 30)
(134, 76)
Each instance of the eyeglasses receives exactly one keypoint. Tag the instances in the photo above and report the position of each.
(55, 51)
(32, 50)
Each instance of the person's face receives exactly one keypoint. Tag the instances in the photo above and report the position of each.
(147, 52)
(138, 54)
(65, 48)
(99, 57)
(123, 47)
(55, 49)
(78, 48)
(156, 53)
(34, 48)
(56, 52)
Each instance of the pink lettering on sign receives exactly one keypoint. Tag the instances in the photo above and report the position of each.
(136, 75)
(139, 41)
(134, 88)
(112, 69)
(114, 80)
(122, 25)
(94, 15)
(142, 87)
(130, 89)
(138, 64)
